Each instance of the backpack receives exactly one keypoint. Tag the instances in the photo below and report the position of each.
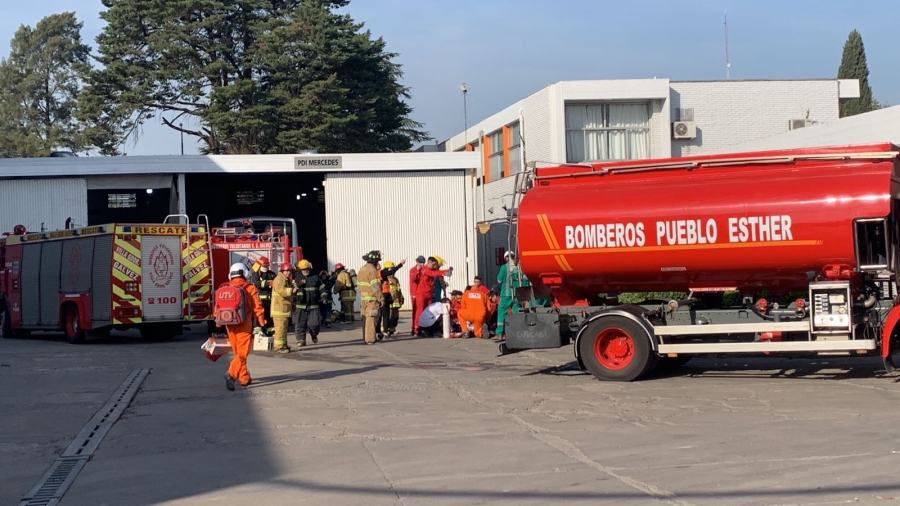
(231, 305)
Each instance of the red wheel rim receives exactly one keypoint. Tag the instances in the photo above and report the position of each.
(71, 323)
(614, 348)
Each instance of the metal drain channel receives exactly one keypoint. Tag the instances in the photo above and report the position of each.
(57, 480)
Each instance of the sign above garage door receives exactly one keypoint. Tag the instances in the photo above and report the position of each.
(318, 162)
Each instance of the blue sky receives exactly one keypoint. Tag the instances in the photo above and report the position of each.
(508, 49)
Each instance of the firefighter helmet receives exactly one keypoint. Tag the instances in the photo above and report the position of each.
(285, 267)
(304, 265)
(388, 264)
(439, 260)
(263, 261)
(338, 266)
(372, 257)
(238, 270)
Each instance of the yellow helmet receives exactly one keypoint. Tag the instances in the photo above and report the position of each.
(388, 264)
(440, 260)
(304, 264)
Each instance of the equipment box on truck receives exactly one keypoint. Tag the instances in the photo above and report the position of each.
(86, 281)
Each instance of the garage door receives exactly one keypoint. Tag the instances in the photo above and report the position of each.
(407, 214)
(47, 202)
(161, 277)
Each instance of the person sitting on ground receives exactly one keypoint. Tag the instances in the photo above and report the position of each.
(430, 322)
(455, 304)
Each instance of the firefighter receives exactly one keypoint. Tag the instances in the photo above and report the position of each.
(387, 271)
(425, 287)
(310, 296)
(262, 278)
(474, 308)
(328, 278)
(283, 291)
(396, 302)
(346, 289)
(370, 291)
(510, 277)
(440, 286)
(415, 275)
(240, 336)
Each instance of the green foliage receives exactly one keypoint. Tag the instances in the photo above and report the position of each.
(638, 297)
(39, 87)
(853, 66)
(255, 76)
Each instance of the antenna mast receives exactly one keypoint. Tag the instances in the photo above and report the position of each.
(727, 60)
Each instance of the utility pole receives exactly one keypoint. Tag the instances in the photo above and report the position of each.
(182, 138)
(727, 59)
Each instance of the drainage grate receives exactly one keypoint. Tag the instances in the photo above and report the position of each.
(87, 441)
(57, 480)
(54, 483)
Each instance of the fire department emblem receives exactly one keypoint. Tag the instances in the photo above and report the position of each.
(161, 262)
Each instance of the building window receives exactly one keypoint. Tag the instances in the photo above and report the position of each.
(607, 132)
(515, 149)
(121, 200)
(495, 160)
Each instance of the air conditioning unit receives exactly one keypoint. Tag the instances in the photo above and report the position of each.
(684, 130)
(794, 124)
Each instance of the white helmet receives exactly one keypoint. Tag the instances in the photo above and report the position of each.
(238, 270)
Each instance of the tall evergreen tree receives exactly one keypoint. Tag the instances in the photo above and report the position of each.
(853, 66)
(39, 86)
(254, 76)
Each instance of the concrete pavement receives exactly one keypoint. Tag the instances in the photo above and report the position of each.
(444, 422)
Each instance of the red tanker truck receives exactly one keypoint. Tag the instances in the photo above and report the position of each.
(808, 237)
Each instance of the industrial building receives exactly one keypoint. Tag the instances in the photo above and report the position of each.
(404, 204)
(580, 121)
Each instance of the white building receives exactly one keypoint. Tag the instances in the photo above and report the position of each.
(404, 204)
(577, 121)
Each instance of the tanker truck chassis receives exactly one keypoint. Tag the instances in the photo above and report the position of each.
(808, 238)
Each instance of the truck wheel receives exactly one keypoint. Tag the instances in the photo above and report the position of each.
(72, 329)
(615, 348)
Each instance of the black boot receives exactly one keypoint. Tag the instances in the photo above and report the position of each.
(229, 382)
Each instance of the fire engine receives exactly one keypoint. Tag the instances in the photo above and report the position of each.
(86, 281)
(248, 242)
(807, 238)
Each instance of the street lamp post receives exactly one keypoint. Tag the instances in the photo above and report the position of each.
(182, 138)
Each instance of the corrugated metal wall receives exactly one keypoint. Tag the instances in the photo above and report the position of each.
(31, 202)
(362, 214)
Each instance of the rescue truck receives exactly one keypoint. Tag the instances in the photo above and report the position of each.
(86, 281)
(808, 238)
(247, 240)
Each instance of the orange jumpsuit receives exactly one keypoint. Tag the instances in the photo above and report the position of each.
(240, 337)
(474, 309)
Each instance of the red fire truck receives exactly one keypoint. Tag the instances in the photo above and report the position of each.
(86, 281)
(246, 243)
(809, 238)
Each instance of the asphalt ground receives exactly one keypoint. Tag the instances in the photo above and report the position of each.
(429, 421)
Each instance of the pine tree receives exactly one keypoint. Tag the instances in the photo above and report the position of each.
(39, 86)
(853, 66)
(255, 76)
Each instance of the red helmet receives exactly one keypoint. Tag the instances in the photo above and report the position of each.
(263, 261)
(285, 267)
(338, 267)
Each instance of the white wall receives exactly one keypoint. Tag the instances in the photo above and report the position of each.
(882, 125)
(405, 215)
(728, 113)
(31, 202)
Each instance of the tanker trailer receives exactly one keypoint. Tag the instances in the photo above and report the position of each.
(807, 237)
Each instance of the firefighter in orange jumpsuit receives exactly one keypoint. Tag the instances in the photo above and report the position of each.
(240, 337)
(474, 308)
